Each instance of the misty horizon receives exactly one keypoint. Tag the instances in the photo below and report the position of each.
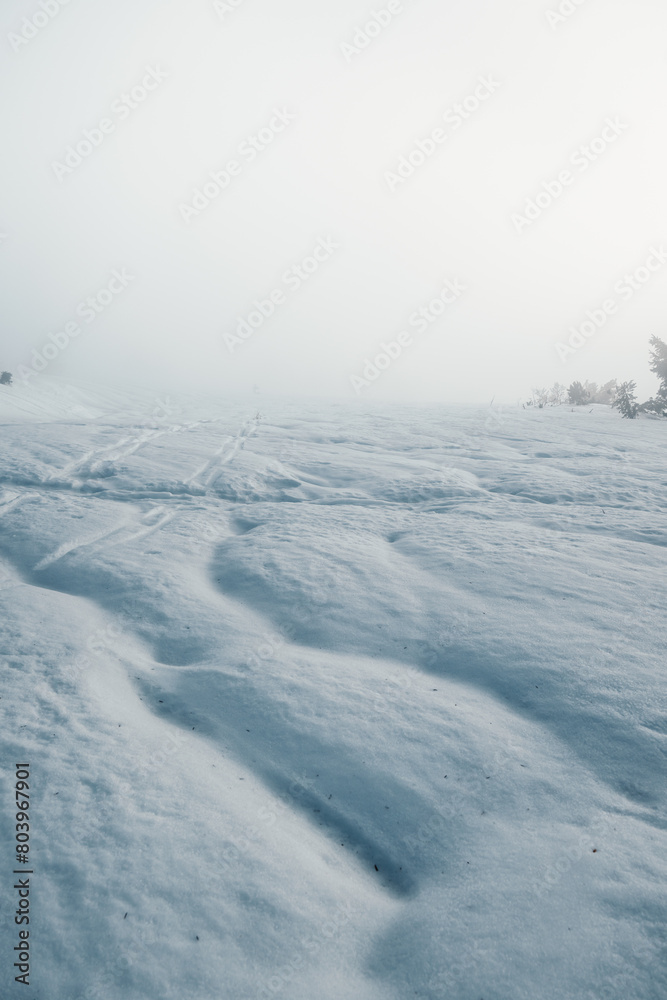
(208, 152)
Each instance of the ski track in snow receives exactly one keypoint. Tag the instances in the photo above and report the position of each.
(224, 454)
(378, 687)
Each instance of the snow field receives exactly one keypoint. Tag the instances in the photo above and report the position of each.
(336, 702)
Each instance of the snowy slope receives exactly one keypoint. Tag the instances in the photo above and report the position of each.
(335, 702)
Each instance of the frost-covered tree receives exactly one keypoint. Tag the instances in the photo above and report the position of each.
(6, 378)
(607, 392)
(557, 394)
(626, 400)
(577, 394)
(658, 365)
(656, 404)
(540, 397)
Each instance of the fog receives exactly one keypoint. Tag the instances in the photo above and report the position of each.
(249, 195)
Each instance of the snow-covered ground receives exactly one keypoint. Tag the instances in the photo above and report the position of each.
(334, 702)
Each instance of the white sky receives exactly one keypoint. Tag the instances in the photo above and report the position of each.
(324, 176)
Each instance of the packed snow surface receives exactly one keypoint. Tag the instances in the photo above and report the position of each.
(327, 702)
